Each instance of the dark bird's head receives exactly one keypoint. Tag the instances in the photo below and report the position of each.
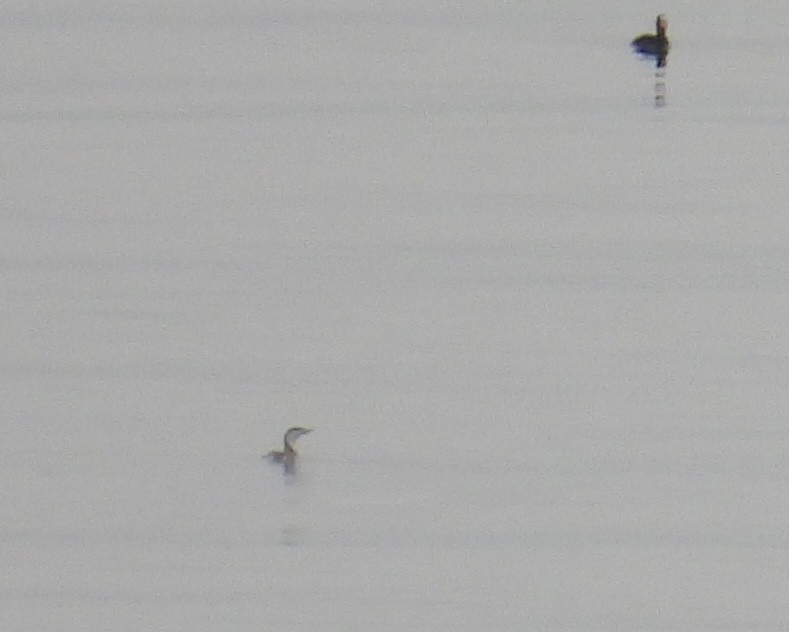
(661, 25)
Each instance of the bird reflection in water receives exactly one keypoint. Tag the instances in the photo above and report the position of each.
(291, 535)
(656, 46)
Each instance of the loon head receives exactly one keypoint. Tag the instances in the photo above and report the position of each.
(661, 25)
(294, 433)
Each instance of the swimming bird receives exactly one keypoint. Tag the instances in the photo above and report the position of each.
(287, 456)
(656, 45)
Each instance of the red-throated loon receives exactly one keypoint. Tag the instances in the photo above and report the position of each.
(287, 457)
(654, 45)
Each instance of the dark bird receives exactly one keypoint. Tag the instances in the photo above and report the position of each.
(656, 45)
(287, 456)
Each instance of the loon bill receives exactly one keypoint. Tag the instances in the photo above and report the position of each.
(287, 456)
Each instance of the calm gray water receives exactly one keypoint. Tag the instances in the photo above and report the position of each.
(538, 323)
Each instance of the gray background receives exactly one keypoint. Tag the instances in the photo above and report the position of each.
(538, 325)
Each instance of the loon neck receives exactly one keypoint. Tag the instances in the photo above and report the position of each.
(660, 27)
